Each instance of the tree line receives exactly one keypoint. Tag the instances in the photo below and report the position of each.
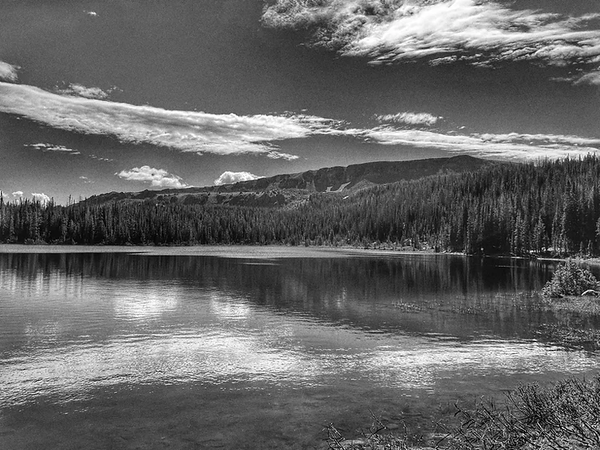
(546, 207)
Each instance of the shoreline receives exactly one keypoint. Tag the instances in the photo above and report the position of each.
(269, 251)
(230, 251)
(261, 251)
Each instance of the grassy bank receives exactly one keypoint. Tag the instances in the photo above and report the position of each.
(565, 415)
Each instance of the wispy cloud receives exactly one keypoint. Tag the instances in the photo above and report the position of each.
(8, 72)
(44, 147)
(234, 177)
(99, 158)
(156, 177)
(188, 131)
(441, 31)
(505, 146)
(497, 146)
(82, 91)
(410, 118)
(231, 134)
(86, 180)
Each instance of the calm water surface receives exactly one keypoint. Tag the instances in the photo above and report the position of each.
(148, 351)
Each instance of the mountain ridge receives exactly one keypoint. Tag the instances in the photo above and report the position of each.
(282, 189)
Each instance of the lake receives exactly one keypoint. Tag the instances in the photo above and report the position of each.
(259, 348)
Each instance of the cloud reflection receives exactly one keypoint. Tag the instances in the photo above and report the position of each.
(251, 359)
(145, 304)
(423, 368)
(227, 308)
(210, 357)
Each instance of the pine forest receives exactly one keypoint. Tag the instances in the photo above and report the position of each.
(550, 207)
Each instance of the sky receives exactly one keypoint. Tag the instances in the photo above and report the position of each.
(126, 95)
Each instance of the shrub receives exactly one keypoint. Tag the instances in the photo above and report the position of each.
(563, 416)
(569, 279)
(372, 439)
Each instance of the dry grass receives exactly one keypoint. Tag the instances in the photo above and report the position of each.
(563, 416)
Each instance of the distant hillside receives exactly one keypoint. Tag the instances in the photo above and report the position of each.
(283, 189)
(344, 178)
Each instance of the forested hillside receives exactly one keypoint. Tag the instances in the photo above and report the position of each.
(502, 208)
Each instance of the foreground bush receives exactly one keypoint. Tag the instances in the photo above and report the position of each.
(569, 279)
(564, 416)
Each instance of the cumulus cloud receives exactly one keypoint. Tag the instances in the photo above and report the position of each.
(53, 148)
(4, 196)
(8, 72)
(41, 197)
(410, 118)
(17, 194)
(592, 78)
(481, 32)
(91, 13)
(188, 131)
(234, 177)
(86, 180)
(156, 177)
(82, 91)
